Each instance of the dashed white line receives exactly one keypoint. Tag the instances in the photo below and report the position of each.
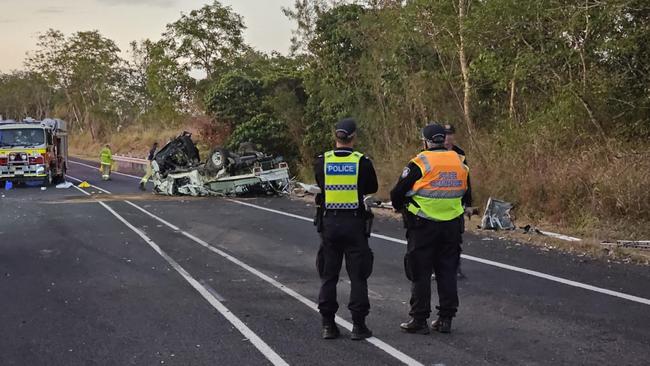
(264, 348)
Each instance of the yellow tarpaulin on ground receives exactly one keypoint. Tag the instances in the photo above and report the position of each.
(84, 185)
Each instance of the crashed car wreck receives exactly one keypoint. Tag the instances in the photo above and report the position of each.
(178, 170)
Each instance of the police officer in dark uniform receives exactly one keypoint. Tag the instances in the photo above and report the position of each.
(344, 177)
(429, 193)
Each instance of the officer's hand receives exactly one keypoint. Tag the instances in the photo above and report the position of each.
(469, 211)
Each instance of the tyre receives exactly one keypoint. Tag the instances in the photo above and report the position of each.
(219, 158)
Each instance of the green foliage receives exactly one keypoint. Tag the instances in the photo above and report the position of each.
(207, 37)
(268, 134)
(235, 98)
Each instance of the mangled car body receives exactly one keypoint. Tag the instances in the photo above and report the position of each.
(178, 170)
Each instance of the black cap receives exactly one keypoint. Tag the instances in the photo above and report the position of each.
(450, 129)
(434, 133)
(346, 128)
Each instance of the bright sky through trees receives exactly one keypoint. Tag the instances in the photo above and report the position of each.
(127, 20)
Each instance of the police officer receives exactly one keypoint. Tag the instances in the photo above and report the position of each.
(429, 192)
(344, 176)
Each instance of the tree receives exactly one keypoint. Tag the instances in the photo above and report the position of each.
(207, 37)
(25, 94)
(162, 85)
(87, 69)
(235, 98)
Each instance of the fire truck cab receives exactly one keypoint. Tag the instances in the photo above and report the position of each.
(33, 150)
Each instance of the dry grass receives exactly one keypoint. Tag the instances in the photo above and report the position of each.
(590, 189)
(134, 142)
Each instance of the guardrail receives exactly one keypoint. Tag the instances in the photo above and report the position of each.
(128, 159)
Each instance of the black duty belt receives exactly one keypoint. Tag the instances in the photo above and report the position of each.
(355, 212)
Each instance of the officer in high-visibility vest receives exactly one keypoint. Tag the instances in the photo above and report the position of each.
(106, 161)
(344, 176)
(430, 192)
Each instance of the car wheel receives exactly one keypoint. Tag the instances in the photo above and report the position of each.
(219, 159)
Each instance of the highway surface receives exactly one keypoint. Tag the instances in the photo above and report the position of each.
(110, 275)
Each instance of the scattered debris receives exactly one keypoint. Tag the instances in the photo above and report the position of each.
(634, 244)
(64, 185)
(497, 215)
(531, 229)
(179, 171)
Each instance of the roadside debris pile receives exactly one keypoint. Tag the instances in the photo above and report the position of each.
(497, 216)
(177, 170)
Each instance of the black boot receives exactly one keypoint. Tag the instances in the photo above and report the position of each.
(442, 325)
(142, 188)
(417, 326)
(330, 330)
(360, 331)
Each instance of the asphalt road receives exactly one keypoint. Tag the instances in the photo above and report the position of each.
(122, 277)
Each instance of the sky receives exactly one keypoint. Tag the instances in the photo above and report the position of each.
(127, 20)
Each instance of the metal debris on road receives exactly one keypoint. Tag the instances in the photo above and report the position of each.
(633, 244)
(64, 185)
(528, 229)
(497, 215)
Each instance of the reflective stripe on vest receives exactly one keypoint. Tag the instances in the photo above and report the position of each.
(106, 157)
(341, 179)
(437, 195)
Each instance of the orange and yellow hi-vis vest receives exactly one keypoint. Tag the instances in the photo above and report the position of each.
(437, 195)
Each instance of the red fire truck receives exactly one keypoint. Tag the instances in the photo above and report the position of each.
(33, 150)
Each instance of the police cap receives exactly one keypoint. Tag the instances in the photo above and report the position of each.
(434, 133)
(346, 128)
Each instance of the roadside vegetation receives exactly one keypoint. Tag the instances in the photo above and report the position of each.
(551, 98)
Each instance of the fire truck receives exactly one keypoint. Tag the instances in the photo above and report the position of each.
(33, 150)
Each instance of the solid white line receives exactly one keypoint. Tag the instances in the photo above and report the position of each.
(549, 277)
(407, 360)
(95, 168)
(264, 348)
(546, 276)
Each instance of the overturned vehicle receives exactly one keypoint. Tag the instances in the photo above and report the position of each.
(178, 170)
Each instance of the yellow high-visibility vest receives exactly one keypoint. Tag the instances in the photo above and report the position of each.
(341, 181)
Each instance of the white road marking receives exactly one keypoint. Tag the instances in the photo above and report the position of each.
(264, 348)
(407, 360)
(538, 274)
(399, 355)
(546, 276)
(93, 186)
(95, 168)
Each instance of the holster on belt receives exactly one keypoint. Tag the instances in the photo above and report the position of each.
(318, 220)
(369, 219)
